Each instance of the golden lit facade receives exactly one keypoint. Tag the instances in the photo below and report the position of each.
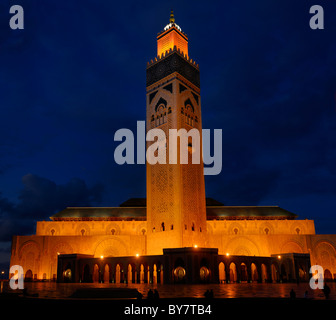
(175, 213)
(97, 236)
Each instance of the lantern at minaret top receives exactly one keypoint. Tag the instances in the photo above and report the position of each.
(171, 36)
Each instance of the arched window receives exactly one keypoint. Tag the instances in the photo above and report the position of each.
(82, 232)
(163, 226)
(235, 231)
(113, 232)
(193, 227)
(52, 231)
(297, 230)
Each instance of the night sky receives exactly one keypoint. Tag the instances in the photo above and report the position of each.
(76, 74)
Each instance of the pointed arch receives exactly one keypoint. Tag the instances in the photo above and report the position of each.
(264, 273)
(161, 103)
(233, 272)
(254, 272)
(221, 271)
(95, 276)
(83, 229)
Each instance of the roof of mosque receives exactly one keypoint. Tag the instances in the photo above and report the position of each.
(135, 209)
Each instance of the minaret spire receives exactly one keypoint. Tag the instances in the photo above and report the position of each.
(172, 19)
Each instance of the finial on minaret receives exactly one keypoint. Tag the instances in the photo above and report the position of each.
(172, 19)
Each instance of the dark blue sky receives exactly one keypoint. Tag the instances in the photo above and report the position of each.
(76, 74)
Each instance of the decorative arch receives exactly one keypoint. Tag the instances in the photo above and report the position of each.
(29, 256)
(264, 273)
(221, 272)
(141, 229)
(326, 243)
(106, 273)
(235, 228)
(275, 272)
(96, 271)
(162, 96)
(188, 104)
(28, 275)
(61, 247)
(266, 228)
(29, 246)
(190, 99)
(327, 275)
(83, 229)
(233, 272)
(110, 247)
(297, 228)
(292, 246)
(53, 229)
(161, 103)
(112, 229)
(160, 110)
(242, 245)
(241, 251)
(254, 272)
(325, 254)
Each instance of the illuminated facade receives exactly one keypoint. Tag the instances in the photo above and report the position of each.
(127, 243)
(172, 36)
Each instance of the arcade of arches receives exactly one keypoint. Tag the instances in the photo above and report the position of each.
(185, 265)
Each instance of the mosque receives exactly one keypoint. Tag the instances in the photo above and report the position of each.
(176, 234)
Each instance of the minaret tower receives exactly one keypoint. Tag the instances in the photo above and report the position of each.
(176, 209)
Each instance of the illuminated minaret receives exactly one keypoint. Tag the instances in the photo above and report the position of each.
(176, 210)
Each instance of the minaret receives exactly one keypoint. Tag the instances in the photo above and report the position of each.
(176, 210)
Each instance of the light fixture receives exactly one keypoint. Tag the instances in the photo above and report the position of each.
(227, 254)
(137, 255)
(195, 246)
(279, 257)
(101, 257)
